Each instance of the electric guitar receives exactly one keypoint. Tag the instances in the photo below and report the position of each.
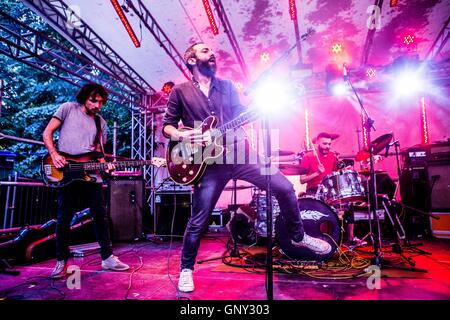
(186, 161)
(79, 165)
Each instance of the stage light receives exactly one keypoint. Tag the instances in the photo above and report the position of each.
(371, 73)
(271, 95)
(211, 19)
(339, 88)
(408, 39)
(336, 48)
(292, 9)
(125, 22)
(424, 121)
(264, 57)
(393, 3)
(407, 83)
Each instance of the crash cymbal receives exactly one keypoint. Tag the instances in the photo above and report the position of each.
(282, 153)
(239, 187)
(380, 143)
(292, 169)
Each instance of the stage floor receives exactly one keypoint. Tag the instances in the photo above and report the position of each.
(154, 274)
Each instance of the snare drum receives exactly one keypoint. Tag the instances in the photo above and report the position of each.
(342, 186)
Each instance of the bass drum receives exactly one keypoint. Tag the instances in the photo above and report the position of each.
(319, 221)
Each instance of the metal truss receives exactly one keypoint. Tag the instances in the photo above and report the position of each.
(440, 41)
(61, 17)
(20, 42)
(163, 40)
(229, 31)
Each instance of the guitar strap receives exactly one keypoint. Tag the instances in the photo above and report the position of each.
(99, 136)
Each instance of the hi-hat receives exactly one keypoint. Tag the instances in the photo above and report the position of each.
(238, 187)
(292, 169)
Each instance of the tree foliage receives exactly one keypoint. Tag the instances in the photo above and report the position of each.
(31, 96)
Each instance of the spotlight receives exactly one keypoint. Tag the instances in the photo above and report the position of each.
(339, 88)
(408, 83)
(270, 96)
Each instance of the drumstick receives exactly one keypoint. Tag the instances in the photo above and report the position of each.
(315, 153)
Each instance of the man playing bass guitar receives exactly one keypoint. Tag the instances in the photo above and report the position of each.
(81, 131)
(194, 101)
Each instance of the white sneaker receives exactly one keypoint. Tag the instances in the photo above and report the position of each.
(186, 282)
(113, 263)
(316, 245)
(60, 270)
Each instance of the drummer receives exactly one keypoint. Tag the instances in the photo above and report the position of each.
(319, 162)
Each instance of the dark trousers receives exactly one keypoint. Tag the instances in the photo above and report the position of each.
(207, 193)
(68, 197)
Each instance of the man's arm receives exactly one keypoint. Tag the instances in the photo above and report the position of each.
(308, 177)
(58, 160)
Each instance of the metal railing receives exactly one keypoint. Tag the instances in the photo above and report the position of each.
(26, 203)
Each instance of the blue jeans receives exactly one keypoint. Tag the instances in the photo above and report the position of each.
(207, 193)
(68, 196)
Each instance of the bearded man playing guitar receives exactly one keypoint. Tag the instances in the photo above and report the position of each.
(203, 98)
(81, 131)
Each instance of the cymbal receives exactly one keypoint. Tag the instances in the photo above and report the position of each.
(238, 187)
(292, 169)
(282, 153)
(348, 162)
(381, 142)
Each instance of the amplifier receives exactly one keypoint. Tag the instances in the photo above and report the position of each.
(419, 155)
(172, 212)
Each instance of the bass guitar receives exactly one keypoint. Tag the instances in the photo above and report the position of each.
(79, 165)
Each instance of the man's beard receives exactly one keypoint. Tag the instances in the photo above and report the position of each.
(324, 151)
(206, 68)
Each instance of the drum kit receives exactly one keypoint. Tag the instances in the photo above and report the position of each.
(341, 189)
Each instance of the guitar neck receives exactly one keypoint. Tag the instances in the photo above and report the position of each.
(236, 123)
(94, 166)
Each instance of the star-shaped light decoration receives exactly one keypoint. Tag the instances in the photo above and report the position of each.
(371, 73)
(408, 39)
(265, 57)
(336, 48)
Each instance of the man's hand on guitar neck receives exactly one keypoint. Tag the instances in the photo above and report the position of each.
(58, 160)
(110, 167)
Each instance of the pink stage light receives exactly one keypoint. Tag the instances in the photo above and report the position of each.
(393, 3)
(125, 22)
(408, 39)
(292, 9)
(424, 120)
(209, 14)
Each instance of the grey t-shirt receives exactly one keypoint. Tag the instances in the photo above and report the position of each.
(78, 130)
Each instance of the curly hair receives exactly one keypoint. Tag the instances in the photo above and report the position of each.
(91, 89)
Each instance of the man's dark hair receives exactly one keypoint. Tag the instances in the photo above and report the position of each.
(190, 53)
(91, 89)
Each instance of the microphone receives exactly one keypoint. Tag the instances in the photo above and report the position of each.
(344, 71)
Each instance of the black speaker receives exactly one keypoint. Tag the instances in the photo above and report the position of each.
(126, 197)
(439, 177)
(415, 193)
(166, 205)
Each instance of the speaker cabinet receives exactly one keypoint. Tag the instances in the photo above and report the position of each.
(166, 205)
(439, 181)
(126, 197)
(415, 193)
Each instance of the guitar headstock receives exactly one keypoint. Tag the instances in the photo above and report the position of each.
(158, 162)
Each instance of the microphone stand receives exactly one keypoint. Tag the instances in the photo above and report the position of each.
(372, 199)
